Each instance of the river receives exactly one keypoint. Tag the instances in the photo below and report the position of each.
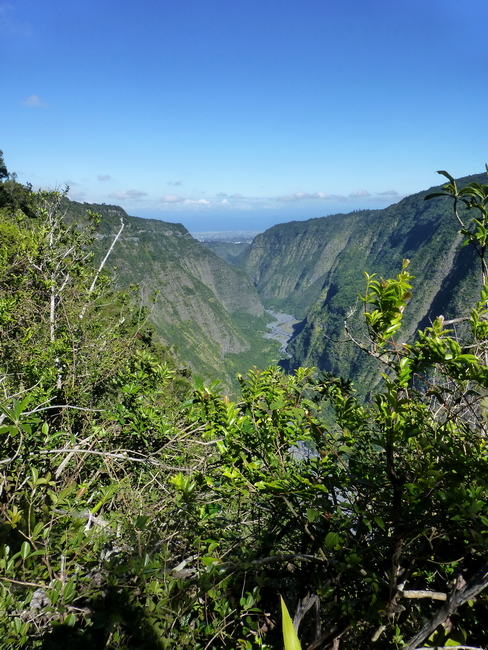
(281, 329)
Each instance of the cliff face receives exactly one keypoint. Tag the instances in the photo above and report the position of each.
(289, 262)
(314, 270)
(214, 313)
(208, 309)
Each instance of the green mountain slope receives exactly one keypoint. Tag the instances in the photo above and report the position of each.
(208, 309)
(314, 269)
(231, 252)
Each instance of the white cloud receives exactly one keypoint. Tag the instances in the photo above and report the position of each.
(223, 202)
(389, 197)
(35, 101)
(218, 202)
(127, 194)
(298, 196)
(301, 196)
(104, 177)
(76, 195)
(196, 202)
(172, 198)
(175, 183)
(223, 195)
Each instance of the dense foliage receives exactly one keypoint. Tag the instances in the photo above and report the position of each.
(140, 512)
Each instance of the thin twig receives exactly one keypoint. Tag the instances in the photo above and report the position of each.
(64, 406)
(452, 647)
(434, 595)
(108, 454)
(474, 586)
(6, 461)
(24, 584)
(100, 268)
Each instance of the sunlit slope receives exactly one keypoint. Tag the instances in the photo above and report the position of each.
(314, 269)
(208, 309)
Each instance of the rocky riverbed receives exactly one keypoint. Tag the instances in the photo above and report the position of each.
(281, 329)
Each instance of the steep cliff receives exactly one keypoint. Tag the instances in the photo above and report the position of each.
(314, 269)
(231, 252)
(208, 309)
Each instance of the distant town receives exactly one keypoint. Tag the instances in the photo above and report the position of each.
(230, 236)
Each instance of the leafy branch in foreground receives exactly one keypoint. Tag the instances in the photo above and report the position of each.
(473, 196)
(137, 513)
(390, 499)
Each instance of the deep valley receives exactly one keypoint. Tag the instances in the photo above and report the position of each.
(210, 300)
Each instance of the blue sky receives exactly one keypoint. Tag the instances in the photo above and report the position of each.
(240, 114)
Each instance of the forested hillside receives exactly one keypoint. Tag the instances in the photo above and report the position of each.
(209, 310)
(315, 270)
(229, 251)
(142, 510)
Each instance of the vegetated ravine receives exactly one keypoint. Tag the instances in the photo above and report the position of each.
(197, 302)
(217, 314)
(314, 270)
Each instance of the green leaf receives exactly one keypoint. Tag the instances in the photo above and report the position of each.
(380, 522)
(25, 550)
(141, 521)
(331, 540)
(17, 625)
(344, 449)
(447, 175)
(312, 514)
(69, 591)
(279, 404)
(290, 638)
(35, 475)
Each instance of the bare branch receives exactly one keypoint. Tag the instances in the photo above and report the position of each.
(304, 605)
(64, 406)
(100, 268)
(452, 647)
(434, 595)
(381, 357)
(84, 514)
(458, 597)
(24, 584)
(120, 456)
(7, 461)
